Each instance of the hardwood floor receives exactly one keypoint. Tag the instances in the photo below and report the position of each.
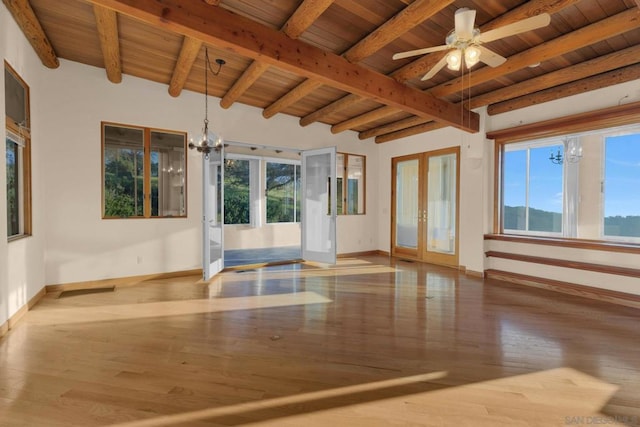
(368, 342)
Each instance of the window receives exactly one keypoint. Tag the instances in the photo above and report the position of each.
(282, 192)
(18, 154)
(143, 172)
(620, 185)
(533, 188)
(351, 191)
(581, 185)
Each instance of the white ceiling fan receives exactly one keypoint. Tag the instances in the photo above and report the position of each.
(465, 41)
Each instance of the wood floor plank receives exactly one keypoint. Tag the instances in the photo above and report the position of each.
(371, 341)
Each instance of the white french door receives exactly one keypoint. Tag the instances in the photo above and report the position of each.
(213, 217)
(318, 209)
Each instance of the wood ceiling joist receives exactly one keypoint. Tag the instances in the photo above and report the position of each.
(304, 16)
(417, 12)
(107, 26)
(424, 64)
(588, 35)
(599, 81)
(249, 38)
(28, 22)
(188, 54)
(574, 73)
(392, 127)
(577, 72)
(415, 130)
(629, 73)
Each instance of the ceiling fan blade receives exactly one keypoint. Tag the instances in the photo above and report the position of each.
(464, 21)
(434, 70)
(420, 51)
(518, 27)
(490, 58)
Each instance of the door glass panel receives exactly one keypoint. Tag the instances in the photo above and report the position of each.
(441, 204)
(407, 204)
(213, 254)
(319, 205)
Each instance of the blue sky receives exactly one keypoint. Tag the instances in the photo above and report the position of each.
(622, 175)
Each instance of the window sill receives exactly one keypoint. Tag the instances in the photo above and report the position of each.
(17, 237)
(597, 245)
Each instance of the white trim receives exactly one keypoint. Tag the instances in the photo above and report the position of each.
(16, 139)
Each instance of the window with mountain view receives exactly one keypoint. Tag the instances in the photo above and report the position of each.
(283, 192)
(580, 186)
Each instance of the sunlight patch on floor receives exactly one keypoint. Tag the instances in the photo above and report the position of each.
(68, 315)
(560, 396)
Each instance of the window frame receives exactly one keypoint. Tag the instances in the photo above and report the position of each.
(147, 188)
(598, 120)
(528, 146)
(22, 131)
(265, 161)
(345, 184)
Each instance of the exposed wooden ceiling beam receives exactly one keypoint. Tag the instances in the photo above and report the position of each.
(304, 16)
(419, 11)
(107, 26)
(408, 18)
(188, 54)
(599, 81)
(28, 22)
(327, 110)
(629, 73)
(577, 72)
(585, 36)
(299, 92)
(393, 127)
(424, 64)
(246, 37)
(583, 70)
(415, 130)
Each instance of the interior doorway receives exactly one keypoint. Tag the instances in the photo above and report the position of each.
(424, 212)
(266, 195)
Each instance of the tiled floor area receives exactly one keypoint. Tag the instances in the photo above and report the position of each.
(236, 257)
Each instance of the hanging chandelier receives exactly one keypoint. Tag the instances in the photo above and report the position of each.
(572, 152)
(208, 141)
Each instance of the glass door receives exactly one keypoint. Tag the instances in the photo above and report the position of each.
(213, 218)
(406, 212)
(424, 217)
(319, 205)
(441, 207)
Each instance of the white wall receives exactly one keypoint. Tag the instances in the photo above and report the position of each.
(80, 245)
(21, 261)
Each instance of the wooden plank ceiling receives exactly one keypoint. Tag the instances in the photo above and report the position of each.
(329, 61)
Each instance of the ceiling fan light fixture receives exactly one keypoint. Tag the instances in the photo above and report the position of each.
(471, 56)
(454, 60)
